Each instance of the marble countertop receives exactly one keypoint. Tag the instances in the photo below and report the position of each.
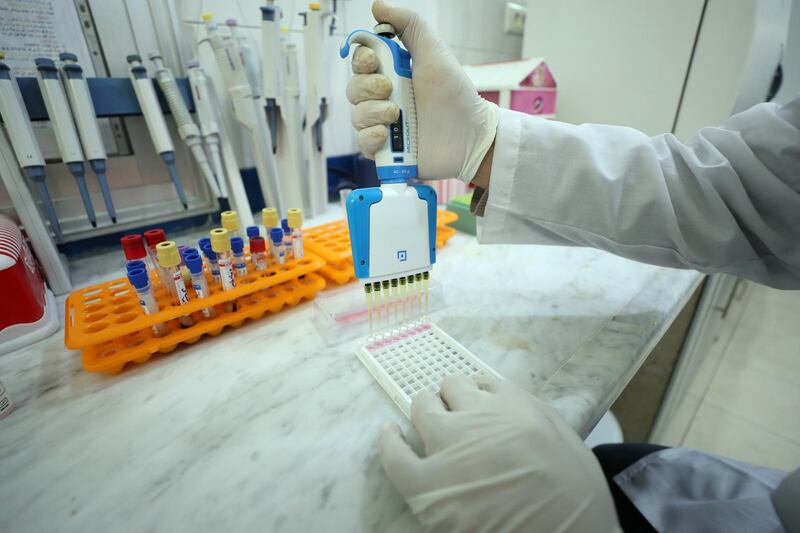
(266, 428)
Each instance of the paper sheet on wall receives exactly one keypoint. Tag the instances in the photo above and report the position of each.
(44, 28)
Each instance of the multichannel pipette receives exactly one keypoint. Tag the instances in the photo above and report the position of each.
(392, 227)
(187, 129)
(294, 217)
(278, 250)
(230, 221)
(195, 265)
(154, 118)
(258, 253)
(170, 260)
(247, 110)
(221, 245)
(239, 261)
(18, 125)
(147, 300)
(316, 106)
(66, 135)
(80, 100)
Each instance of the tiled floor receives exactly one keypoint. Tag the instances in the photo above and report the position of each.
(751, 408)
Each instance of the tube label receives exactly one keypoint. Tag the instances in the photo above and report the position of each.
(226, 274)
(180, 287)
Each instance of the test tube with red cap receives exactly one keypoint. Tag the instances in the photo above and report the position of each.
(258, 253)
(152, 237)
(133, 248)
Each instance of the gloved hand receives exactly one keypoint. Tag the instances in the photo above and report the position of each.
(496, 459)
(455, 126)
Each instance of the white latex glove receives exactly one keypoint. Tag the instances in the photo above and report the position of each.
(455, 126)
(496, 459)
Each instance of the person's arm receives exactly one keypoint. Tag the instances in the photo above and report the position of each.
(726, 201)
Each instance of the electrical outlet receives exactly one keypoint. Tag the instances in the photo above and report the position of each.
(514, 23)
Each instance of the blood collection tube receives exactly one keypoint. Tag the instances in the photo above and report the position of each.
(133, 265)
(269, 218)
(170, 260)
(230, 222)
(287, 237)
(239, 261)
(140, 281)
(133, 248)
(295, 218)
(221, 245)
(252, 231)
(152, 237)
(195, 265)
(212, 262)
(187, 277)
(258, 253)
(278, 251)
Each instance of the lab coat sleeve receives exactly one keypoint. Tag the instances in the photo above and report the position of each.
(728, 200)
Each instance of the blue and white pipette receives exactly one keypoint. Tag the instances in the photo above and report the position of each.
(18, 126)
(80, 100)
(154, 118)
(66, 135)
(392, 227)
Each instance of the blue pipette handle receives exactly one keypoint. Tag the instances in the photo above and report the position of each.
(99, 167)
(37, 175)
(169, 159)
(77, 170)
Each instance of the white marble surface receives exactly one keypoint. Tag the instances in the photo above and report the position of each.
(265, 428)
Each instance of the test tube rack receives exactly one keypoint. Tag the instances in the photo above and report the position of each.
(105, 322)
(332, 243)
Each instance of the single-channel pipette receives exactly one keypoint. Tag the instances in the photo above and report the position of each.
(245, 55)
(221, 245)
(247, 110)
(147, 300)
(20, 132)
(80, 100)
(187, 129)
(295, 219)
(271, 67)
(393, 227)
(170, 260)
(55, 101)
(316, 106)
(209, 128)
(258, 253)
(154, 118)
(195, 265)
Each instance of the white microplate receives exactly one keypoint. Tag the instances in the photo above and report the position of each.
(416, 357)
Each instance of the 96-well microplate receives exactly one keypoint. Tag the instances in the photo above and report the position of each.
(416, 357)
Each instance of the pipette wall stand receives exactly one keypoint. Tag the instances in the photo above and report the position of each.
(332, 243)
(106, 323)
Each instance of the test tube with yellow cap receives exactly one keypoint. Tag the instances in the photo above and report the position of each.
(269, 217)
(170, 260)
(230, 222)
(221, 246)
(294, 217)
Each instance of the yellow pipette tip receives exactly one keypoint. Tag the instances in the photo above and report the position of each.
(314, 6)
(284, 29)
(207, 16)
(2, 55)
(220, 240)
(167, 253)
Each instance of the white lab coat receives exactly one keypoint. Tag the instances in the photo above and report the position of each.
(727, 201)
